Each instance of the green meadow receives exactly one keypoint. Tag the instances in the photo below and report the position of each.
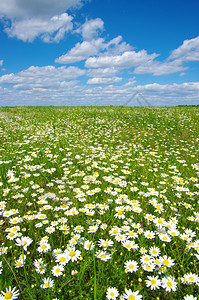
(99, 203)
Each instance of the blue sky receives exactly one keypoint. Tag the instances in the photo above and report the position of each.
(99, 52)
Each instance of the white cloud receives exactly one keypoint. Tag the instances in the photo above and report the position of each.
(42, 77)
(1, 62)
(128, 59)
(158, 68)
(21, 9)
(100, 72)
(49, 30)
(91, 29)
(104, 80)
(82, 51)
(34, 18)
(188, 51)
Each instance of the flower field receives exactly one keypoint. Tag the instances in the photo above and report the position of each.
(99, 203)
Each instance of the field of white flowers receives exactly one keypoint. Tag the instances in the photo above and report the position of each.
(99, 203)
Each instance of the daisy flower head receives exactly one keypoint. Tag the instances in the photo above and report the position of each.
(10, 293)
(191, 278)
(169, 284)
(47, 283)
(62, 258)
(103, 255)
(105, 243)
(130, 295)
(131, 266)
(190, 297)
(167, 261)
(149, 267)
(112, 293)
(154, 251)
(88, 245)
(57, 270)
(73, 254)
(153, 282)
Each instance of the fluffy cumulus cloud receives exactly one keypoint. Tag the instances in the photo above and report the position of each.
(104, 80)
(50, 30)
(42, 77)
(82, 51)
(188, 51)
(128, 59)
(1, 62)
(21, 9)
(72, 93)
(38, 18)
(158, 68)
(91, 29)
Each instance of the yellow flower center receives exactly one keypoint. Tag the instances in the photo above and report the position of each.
(131, 297)
(46, 284)
(105, 244)
(153, 282)
(131, 267)
(72, 253)
(43, 246)
(191, 278)
(103, 256)
(57, 270)
(62, 259)
(112, 294)
(128, 246)
(18, 264)
(169, 283)
(8, 295)
(166, 262)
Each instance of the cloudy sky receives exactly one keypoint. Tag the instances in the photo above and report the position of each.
(99, 52)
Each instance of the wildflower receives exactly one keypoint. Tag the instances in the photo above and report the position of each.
(25, 241)
(191, 278)
(62, 258)
(57, 270)
(167, 261)
(44, 247)
(10, 294)
(169, 284)
(50, 229)
(103, 255)
(105, 243)
(129, 294)
(149, 234)
(92, 229)
(72, 254)
(190, 297)
(88, 245)
(47, 283)
(153, 282)
(154, 251)
(148, 267)
(129, 245)
(112, 293)
(131, 266)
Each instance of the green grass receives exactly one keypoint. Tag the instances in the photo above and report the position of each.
(93, 169)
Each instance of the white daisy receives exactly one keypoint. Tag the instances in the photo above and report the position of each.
(153, 282)
(10, 293)
(129, 294)
(112, 293)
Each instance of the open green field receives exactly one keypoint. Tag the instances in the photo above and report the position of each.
(99, 203)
